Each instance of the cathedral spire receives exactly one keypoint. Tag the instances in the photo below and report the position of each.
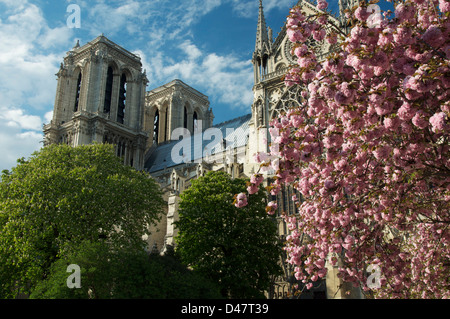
(262, 47)
(262, 37)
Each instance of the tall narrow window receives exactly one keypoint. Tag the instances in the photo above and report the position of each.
(108, 91)
(156, 127)
(195, 122)
(122, 99)
(77, 97)
(185, 118)
(166, 126)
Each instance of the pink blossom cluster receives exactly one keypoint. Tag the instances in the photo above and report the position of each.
(369, 151)
(241, 200)
(255, 181)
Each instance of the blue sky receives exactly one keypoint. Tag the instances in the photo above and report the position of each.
(206, 43)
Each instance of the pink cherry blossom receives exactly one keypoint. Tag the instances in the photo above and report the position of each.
(272, 207)
(252, 189)
(433, 36)
(362, 14)
(322, 4)
(437, 121)
(369, 151)
(420, 120)
(444, 5)
(241, 200)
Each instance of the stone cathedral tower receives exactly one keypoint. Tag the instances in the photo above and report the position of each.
(171, 106)
(100, 98)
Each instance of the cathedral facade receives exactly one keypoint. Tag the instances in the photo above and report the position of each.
(169, 131)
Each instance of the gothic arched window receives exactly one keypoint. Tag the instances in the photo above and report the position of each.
(78, 91)
(122, 99)
(108, 90)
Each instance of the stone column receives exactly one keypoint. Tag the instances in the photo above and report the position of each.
(130, 104)
(115, 97)
(190, 122)
(172, 216)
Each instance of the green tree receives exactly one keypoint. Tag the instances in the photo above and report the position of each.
(63, 196)
(124, 274)
(236, 247)
(96, 274)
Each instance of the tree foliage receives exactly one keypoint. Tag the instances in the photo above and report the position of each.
(124, 274)
(369, 149)
(64, 196)
(238, 248)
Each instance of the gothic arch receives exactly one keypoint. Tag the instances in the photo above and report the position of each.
(280, 66)
(109, 86)
(77, 70)
(291, 98)
(195, 121)
(77, 78)
(164, 123)
(154, 123)
(188, 107)
(197, 115)
(125, 70)
(263, 64)
(113, 64)
(187, 113)
(124, 94)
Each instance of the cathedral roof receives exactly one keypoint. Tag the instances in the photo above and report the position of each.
(236, 130)
(102, 39)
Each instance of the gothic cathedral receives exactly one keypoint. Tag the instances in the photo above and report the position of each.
(101, 97)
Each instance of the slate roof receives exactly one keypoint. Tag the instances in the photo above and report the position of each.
(235, 132)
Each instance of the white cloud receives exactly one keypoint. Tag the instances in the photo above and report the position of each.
(249, 8)
(108, 19)
(55, 38)
(15, 144)
(14, 3)
(224, 78)
(28, 73)
(191, 50)
(30, 135)
(20, 136)
(148, 22)
(48, 116)
(21, 120)
(278, 4)
(27, 77)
